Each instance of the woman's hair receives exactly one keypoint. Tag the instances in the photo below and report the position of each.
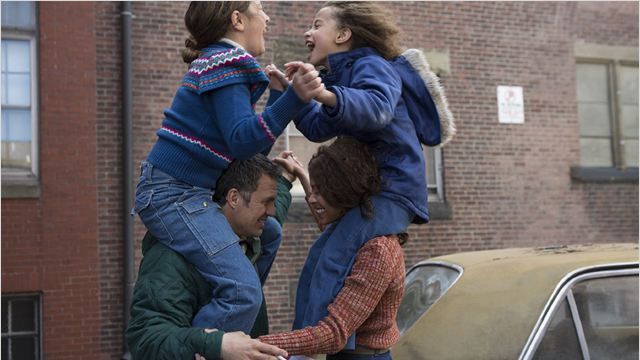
(208, 22)
(346, 174)
(370, 25)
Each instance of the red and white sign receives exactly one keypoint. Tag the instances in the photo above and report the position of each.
(510, 105)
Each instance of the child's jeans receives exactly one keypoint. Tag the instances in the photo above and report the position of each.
(186, 219)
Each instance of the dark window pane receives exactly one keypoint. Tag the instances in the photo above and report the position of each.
(23, 316)
(5, 348)
(5, 318)
(608, 309)
(560, 340)
(23, 348)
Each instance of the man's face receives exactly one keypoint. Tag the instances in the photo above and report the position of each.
(248, 218)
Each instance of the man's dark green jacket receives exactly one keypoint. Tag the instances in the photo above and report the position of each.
(169, 292)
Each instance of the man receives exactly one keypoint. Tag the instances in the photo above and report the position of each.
(170, 291)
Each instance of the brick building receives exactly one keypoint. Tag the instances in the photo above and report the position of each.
(567, 174)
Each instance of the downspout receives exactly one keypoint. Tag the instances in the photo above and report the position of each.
(126, 17)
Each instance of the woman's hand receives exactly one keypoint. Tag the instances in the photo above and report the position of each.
(290, 164)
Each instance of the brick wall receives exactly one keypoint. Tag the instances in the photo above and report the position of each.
(49, 244)
(157, 35)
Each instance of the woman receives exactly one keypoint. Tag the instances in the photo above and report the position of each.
(344, 175)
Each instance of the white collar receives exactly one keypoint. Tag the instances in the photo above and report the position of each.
(232, 43)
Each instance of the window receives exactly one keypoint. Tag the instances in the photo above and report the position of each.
(304, 150)
(596, 317)
(560, 341)
(608, 310)
(607, 97)
(21, 327)
(19, 89)
(424, 285)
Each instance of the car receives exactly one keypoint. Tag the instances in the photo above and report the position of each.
(558, 302)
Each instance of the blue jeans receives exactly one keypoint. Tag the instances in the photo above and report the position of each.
(186, 219)
(347, 356)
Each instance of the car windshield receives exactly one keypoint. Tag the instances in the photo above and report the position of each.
(424, 285)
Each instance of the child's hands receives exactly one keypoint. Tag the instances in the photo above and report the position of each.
(290, 68)
(325, 96)
(304, 79)
(277, 79)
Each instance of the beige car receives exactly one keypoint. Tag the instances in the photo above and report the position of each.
(565, 302)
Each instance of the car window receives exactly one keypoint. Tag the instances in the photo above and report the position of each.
(560, 341)
(608, 310)
(599, 314)
(424, 285)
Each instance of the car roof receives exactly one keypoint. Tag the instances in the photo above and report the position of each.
(493, 307)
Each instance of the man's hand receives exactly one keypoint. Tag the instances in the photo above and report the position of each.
(240, 346)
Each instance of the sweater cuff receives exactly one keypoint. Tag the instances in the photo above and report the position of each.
(283, 181)
(273, 96)
(212, 345)
(286, 108)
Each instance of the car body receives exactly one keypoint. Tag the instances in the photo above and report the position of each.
(563, 302)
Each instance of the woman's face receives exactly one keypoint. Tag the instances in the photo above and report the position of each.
(325, 212)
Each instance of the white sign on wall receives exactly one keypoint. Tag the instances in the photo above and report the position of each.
(510, 105)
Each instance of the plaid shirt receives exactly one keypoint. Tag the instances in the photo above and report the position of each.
(367, 304)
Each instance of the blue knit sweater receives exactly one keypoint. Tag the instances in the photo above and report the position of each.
(212, 120)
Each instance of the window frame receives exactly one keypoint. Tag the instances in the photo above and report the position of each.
(613, 57)
(38, 332)
(25, 184)
(562, 293)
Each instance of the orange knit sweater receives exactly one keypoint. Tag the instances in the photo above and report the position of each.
(367, 304)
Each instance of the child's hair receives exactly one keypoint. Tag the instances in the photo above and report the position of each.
(370, 25)
(346, 174)
(208, 22)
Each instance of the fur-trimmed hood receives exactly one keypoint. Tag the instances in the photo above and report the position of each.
(425, 98)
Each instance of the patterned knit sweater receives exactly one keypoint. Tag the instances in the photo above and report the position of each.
(212, 120)
(367, 304)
